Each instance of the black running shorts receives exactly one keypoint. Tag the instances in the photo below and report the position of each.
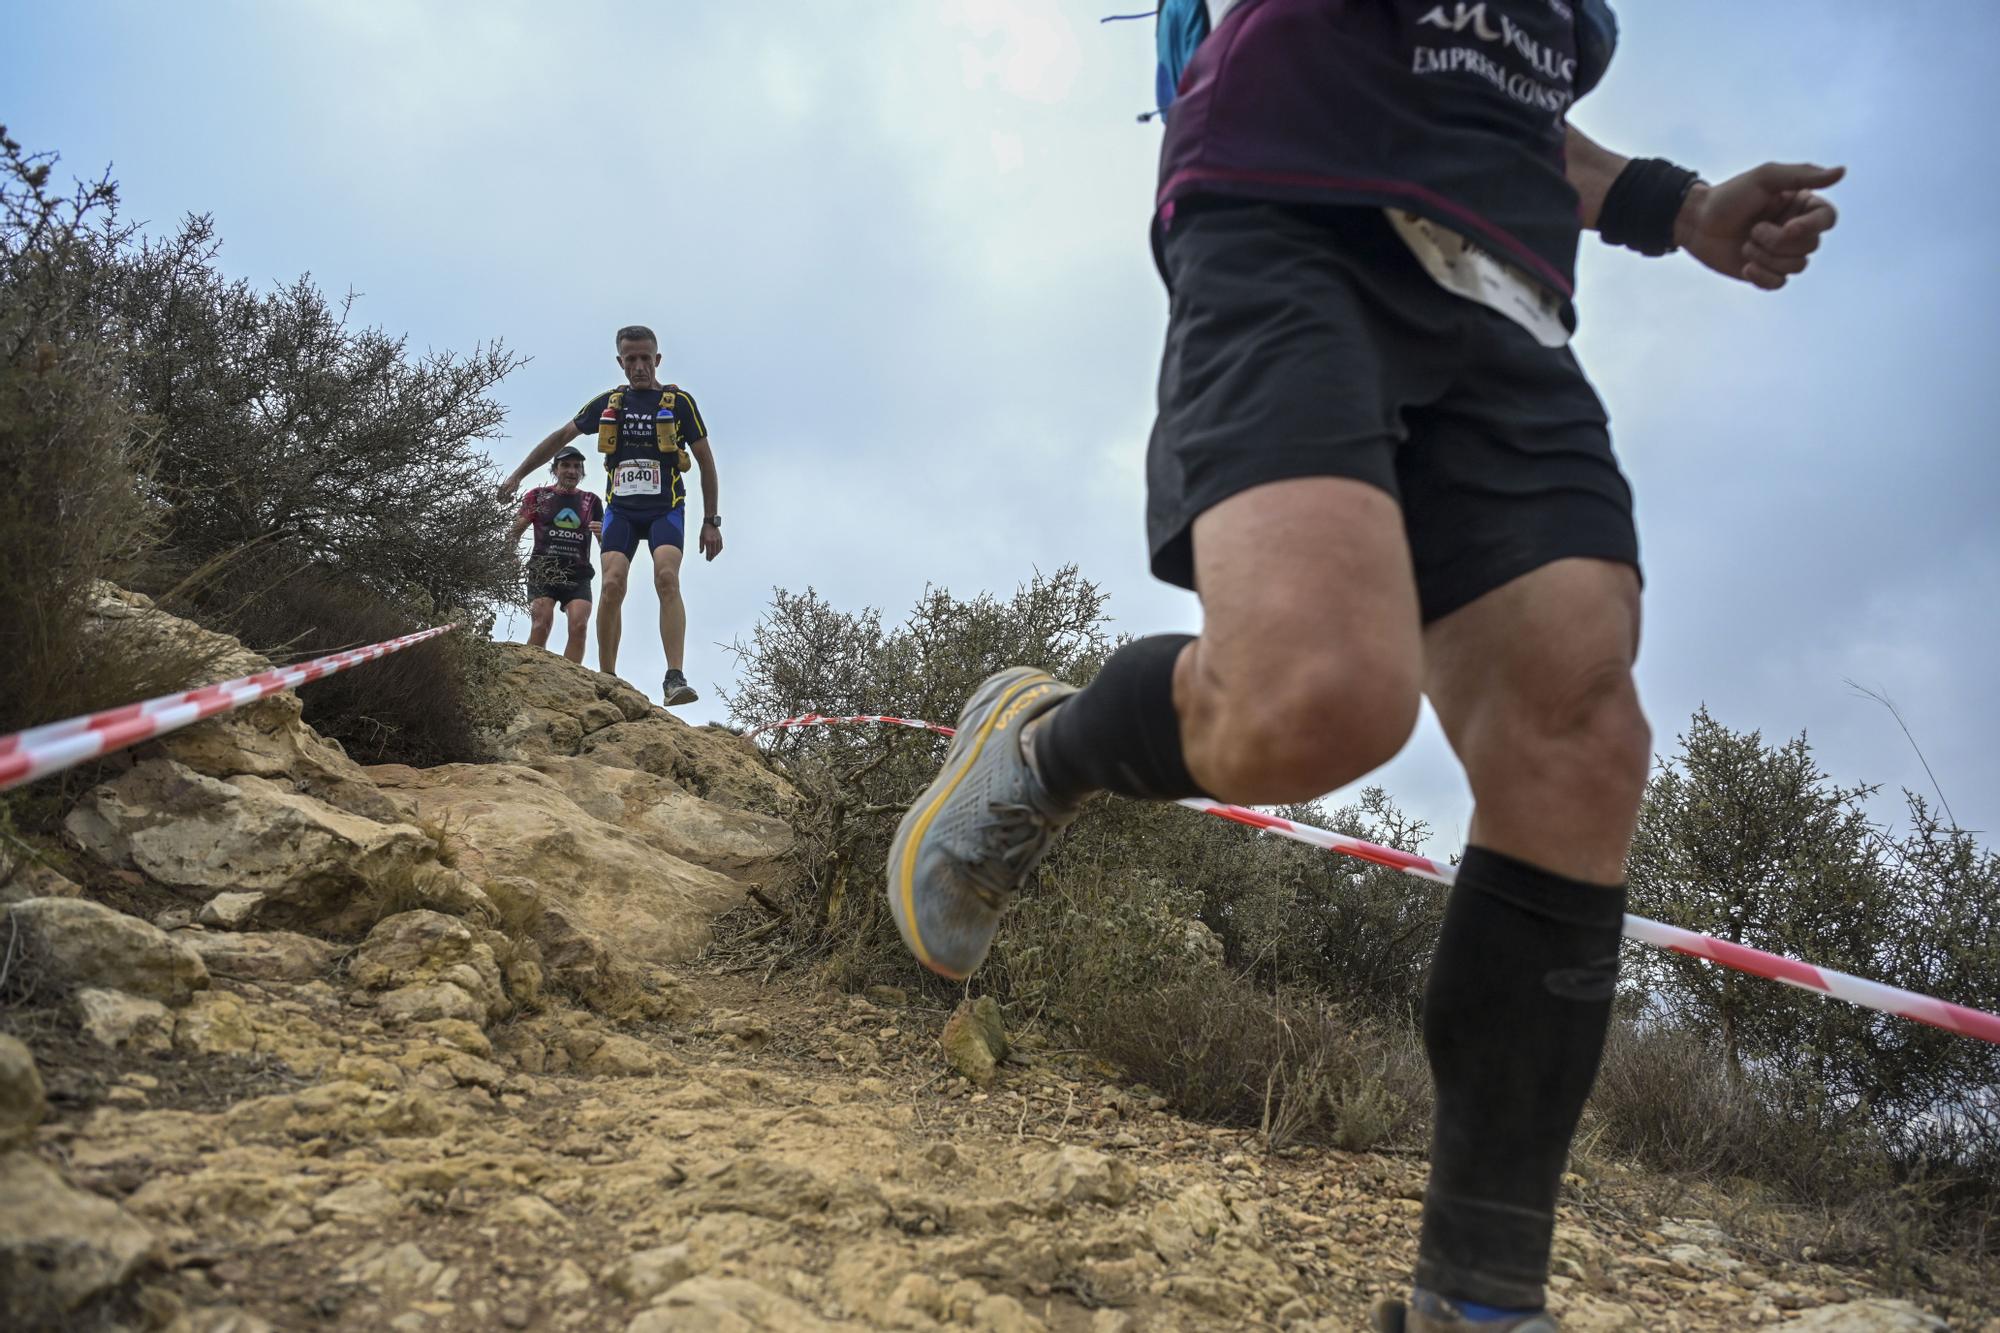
(1310, 342)
(577, 589)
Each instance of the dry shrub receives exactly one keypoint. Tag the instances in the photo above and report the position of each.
(430, 704)
(76, 503)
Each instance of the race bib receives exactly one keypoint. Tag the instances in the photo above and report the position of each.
(637, 476)
(1462, 267)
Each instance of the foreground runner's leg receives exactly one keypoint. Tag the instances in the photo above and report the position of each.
(1533, 684)
(610, 611)
(1306, 677)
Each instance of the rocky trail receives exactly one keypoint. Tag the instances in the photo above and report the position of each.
(314, 1046)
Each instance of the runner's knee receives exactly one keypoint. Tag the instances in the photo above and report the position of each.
(1295, 730)
(1580, 734)
(666, 582)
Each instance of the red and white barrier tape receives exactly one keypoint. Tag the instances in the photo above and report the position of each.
(39, 751)
(1774, 967)
(815, 720)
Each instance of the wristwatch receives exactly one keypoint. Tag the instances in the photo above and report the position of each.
(713, 521)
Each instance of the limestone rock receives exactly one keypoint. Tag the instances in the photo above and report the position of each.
(265, 739)
(58, 1245)
(230, 911)
(420, 957)
(113, 1018)
(1872, 1316)
(266, 955)
(726, 1305)
(216, 1023)
(314, 862)
(644, 1275)
(974, 1040)
(23, 877)
(74, 943)
(363, 1201)
(513, 823)
(594, 1052)
(713, 765)
(740, 843)
(557, 703)
(21, 1097)
(341, 1109)
(1069, 1176)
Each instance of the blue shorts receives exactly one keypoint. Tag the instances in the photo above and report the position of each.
(622, 534)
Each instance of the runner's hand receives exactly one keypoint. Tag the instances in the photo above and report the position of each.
(1761, 226)
(597, 528)
(711, 541)
(505, 490)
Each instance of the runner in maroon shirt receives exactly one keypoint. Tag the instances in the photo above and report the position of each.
(564, 520)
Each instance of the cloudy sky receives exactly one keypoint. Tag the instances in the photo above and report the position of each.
(897, 249)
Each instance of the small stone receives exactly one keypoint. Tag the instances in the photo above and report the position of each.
(230, 911)
(113, 1018)
(646, 1273)
(892, 997)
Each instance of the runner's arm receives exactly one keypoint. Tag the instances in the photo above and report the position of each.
(521, 524)
(541, 454)
(711, 489)
(1758, 227)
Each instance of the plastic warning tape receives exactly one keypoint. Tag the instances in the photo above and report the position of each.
(1774, 967)
(39, 751)
(816, 720)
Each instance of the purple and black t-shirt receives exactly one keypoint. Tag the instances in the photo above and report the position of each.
(1452, 111)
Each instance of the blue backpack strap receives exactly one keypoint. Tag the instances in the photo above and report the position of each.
(1179, 29)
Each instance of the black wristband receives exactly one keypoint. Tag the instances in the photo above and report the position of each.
(1640, 207)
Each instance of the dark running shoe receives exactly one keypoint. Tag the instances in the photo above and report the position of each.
(1428, 1312)
(978, 830)
(676, 690)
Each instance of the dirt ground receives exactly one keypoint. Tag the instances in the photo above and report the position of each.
(784, 1158)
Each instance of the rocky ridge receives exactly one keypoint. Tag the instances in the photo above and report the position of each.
(290, 1042)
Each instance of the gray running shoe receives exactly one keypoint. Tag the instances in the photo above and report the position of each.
(978, 830)
(676, 690)
(1428, 1312)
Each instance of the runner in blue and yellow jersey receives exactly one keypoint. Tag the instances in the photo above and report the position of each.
(1384, 473)
(648, 434)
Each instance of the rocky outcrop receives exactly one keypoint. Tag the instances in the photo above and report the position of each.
(429, 966)
(72, 943)
(59, 1246)
(185, 830)
(509, 821)
(267, 739)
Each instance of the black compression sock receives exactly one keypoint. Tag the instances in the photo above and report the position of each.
(1515, 1013)
(1120, 733)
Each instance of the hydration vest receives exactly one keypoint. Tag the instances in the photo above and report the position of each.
(666, 429)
